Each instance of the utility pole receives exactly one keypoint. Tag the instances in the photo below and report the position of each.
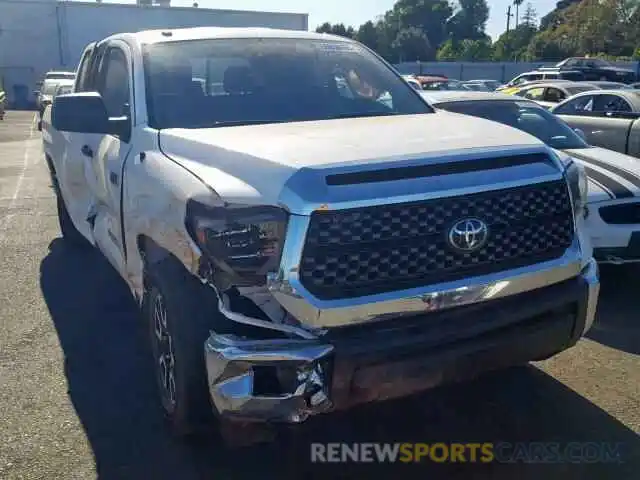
(509, 15)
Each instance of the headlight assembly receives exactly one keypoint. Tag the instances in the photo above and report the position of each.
(578, 186)
(244, 242)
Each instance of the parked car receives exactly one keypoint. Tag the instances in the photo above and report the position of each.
(635, 85)
(485, 85)
(63, 89)
(609, 118)
(550, 94)
(45, 94)
(50, 89)
(59, 75)
(613, 200)
(594, 69)
(429, 79)
(537, 75)
(55, 75)
(411, 80)
(294, 254)
(444, 85)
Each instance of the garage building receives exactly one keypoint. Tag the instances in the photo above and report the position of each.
(41, 35)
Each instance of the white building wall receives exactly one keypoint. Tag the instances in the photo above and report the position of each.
(41, 35)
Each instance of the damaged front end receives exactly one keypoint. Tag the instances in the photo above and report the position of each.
(265, 365)
(268, 380)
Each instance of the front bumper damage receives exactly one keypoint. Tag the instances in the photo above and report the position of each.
(287, 380)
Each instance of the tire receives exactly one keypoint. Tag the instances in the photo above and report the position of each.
(179, 311)
(70, 233)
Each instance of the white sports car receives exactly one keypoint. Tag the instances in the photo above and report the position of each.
(613, 207)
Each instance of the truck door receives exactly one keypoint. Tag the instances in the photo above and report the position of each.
(114, 83)
(72, 166)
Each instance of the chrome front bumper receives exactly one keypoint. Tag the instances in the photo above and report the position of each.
(306, 371)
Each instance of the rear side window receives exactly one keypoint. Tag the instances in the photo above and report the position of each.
(534, 93)
(611, 103)
(554, 95)
(579, 106)
(83, 71)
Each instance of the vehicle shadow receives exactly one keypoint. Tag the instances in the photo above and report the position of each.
(618, 324)
(111, 385)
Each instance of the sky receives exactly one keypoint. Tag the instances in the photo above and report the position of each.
(350, 12)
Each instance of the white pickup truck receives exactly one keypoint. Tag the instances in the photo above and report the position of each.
(303, 232)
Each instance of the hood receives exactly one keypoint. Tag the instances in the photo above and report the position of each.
(251, 164)
(612, 175)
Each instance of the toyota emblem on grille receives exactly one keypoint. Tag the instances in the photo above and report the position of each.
(468, 234)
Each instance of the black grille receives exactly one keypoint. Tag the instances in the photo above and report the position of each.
(363, 251)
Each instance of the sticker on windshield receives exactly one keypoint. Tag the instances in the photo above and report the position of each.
(336, 47)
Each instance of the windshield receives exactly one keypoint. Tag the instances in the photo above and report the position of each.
(523, 115)
(60, 76)
(209, 83)
(49, 87)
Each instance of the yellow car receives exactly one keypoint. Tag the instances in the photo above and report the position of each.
(510, 90)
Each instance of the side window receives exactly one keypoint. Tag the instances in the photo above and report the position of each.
(534, 93)
(580, 106)
(83, 71)
(611, 103)
(114, 83)
(554, 95)
(520, 79)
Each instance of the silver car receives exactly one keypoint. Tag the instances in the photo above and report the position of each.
(608, 118)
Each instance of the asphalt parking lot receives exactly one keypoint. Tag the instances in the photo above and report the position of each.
(77, 395)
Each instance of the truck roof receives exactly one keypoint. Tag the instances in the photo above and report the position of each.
(167, 35)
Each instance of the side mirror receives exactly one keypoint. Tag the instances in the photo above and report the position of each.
(85, 112)
(580, 133)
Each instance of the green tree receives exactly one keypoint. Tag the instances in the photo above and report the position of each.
(469, 21)
(544, 46)
(475, 50)
(337, 29)
(369, 35)
(430, 16)
(517, 4)
(514, 44)
(412, 44)
(530, 16)
(447, 52)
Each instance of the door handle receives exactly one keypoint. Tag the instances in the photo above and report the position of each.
(114, 178)
(86, 151)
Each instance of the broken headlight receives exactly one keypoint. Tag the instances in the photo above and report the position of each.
(578, 186)
(241, 241)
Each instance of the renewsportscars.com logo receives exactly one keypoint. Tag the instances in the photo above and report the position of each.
(501, 452)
